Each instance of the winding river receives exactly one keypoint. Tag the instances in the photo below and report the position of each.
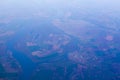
(26, 63)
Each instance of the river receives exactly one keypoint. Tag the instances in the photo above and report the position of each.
(26, 63)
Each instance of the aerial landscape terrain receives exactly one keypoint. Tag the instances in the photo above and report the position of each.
(59, 40)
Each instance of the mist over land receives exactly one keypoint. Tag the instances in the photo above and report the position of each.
(59, 40)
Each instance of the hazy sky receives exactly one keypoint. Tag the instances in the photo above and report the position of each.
(26, 7)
